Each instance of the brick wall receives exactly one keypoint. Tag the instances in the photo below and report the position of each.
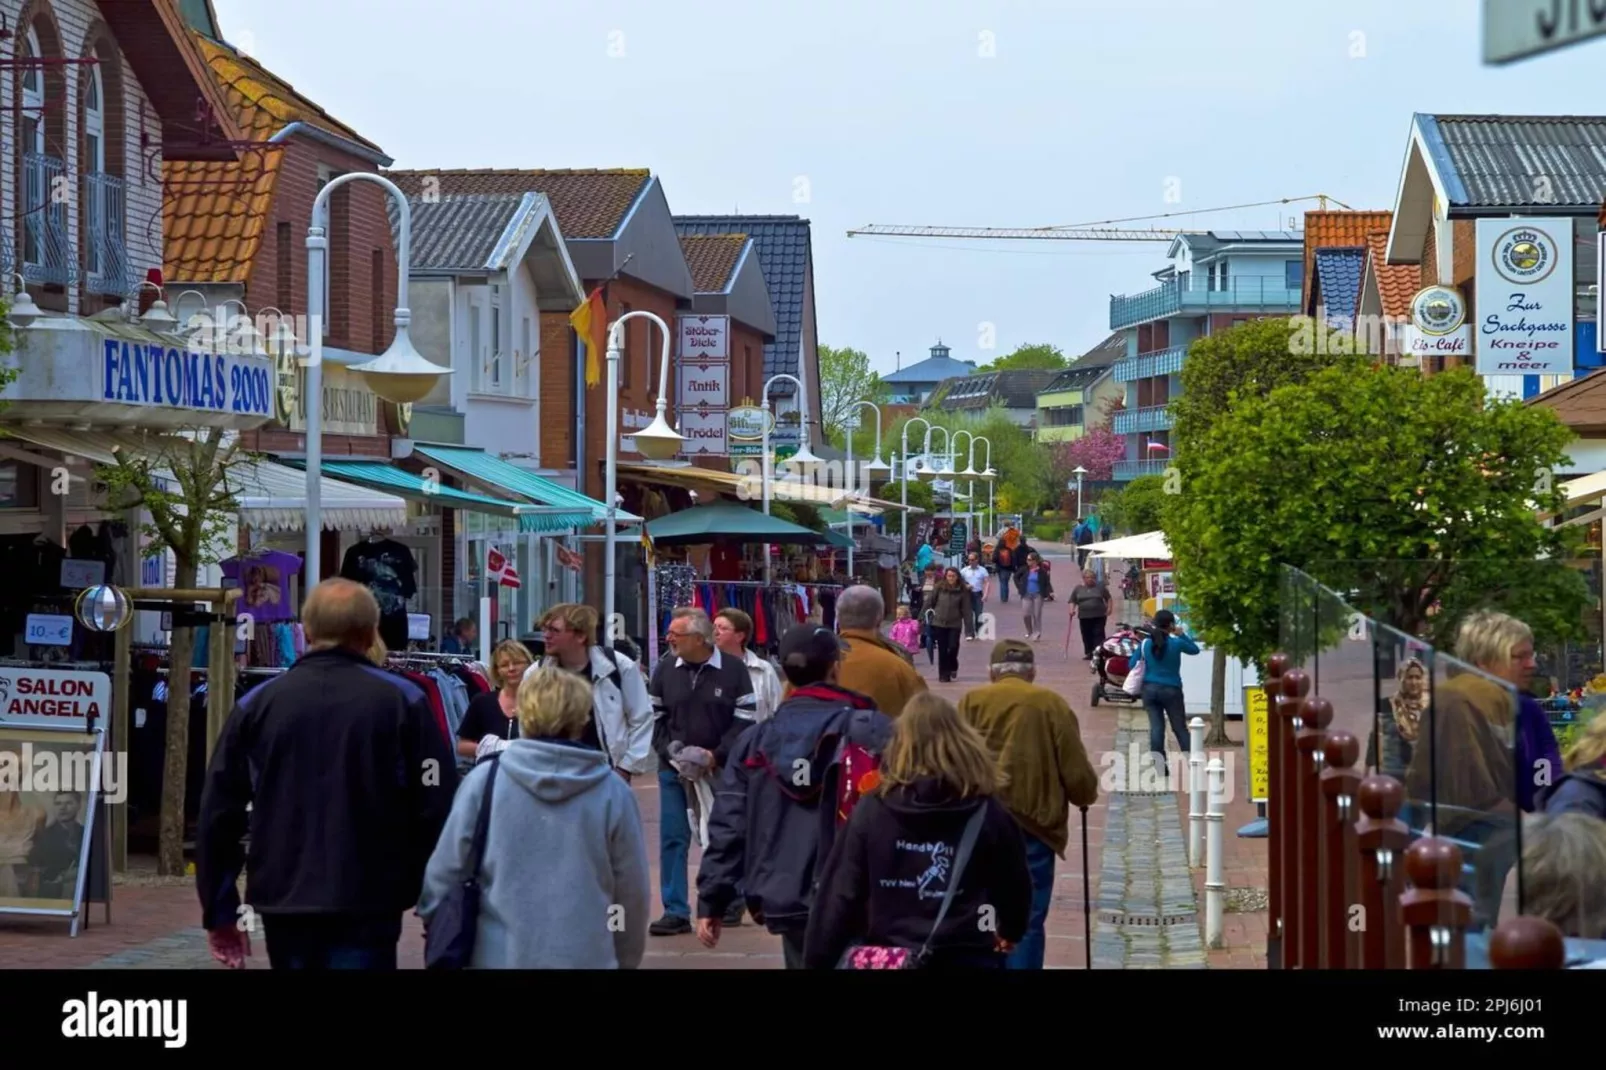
(747, 363)
(358, 226)
(557, 418)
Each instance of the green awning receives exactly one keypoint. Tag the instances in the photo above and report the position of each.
(480, 467)
(726, 522)
(389, 477)
(837, 541)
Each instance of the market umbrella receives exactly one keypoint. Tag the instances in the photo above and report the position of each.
(726, 522)
(1132, 548)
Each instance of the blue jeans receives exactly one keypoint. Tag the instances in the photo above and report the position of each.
(1028, 954)
(674, 844)
(1165, 703)
(330, 942)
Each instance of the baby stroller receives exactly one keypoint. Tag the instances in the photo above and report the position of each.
(1112, 661)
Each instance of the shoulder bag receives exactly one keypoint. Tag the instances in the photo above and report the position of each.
(866, 957)
(449, 939)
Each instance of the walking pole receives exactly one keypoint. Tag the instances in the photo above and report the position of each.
(1087, 897)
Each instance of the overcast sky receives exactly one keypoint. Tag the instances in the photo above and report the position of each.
(929, 112)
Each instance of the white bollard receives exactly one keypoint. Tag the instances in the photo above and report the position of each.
(1215, 878)
(1196, 792)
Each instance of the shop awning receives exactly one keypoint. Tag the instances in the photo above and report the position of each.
(726, 522)
(751, 487)
(274, 498)
(416, 488)
(477, 466)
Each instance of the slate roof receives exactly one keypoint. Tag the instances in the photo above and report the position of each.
(1396, 283)
(1337, 230)
(214, 214)
(589, 202)
(1580, 404)
(1518, 161)
(931, 370)
(1011, 389)
(712, 259)
(783, 243)
(1090, 366)
(458, 233)
(1338, 286)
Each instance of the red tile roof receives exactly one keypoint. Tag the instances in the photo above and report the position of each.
(589, 202)
(1337, 230)
(1396, 283)
(712, 258)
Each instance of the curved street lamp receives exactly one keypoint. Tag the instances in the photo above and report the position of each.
(401, 374)
(903, 534)
(656, 442)
(874, 467)
(926, 472)
(802, 463)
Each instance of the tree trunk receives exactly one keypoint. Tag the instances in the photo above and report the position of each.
(175, 770)
(1217, 736)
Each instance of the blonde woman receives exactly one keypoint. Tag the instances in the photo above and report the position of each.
(1564, 872)
(1583, 789)
(884, 881)
(18, 826)
(493, 718)
(564, 880)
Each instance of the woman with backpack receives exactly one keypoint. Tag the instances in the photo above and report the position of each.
(925, 854)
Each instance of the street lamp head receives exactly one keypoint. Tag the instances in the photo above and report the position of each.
(804, 460)
(401, 374)
(23, 310)
(658, 441)
(990, 475)
(1079, 471)
(924, 472)
(946, 471)
(878, 469)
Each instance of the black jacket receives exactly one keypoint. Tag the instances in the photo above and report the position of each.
(884, 880)
(1045, 586)
(706, 705)
(349, 781)
(775, 806)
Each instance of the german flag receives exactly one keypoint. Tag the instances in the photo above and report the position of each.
(590, 322)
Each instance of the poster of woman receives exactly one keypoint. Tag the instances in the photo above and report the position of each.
(49, 782)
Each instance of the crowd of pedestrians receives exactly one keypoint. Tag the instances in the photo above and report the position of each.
(866, 821)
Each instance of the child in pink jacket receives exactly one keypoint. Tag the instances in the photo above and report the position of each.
(905, 631)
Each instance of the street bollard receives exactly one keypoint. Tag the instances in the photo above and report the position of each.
(1196, 792)
(1215, 878)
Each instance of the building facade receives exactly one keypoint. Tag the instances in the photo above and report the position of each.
(915, 384)
(1077, 399)
(1214, 281)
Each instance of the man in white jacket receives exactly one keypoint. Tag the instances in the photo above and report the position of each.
(622, 715)
(732, 629)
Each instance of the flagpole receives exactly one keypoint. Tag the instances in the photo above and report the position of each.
(485, 608)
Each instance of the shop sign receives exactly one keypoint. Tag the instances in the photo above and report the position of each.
(705, 338)
(349, 407)
(136, 373)
(1438, 326)
(705, 434)
(746, 423)
(53, 699)
(1524, 296)
(704, 384)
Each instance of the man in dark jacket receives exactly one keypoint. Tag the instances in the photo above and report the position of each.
(776, 811)
(349, 783)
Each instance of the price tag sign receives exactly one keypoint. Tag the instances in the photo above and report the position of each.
(76, 575)
(418, 625)
(49, 629)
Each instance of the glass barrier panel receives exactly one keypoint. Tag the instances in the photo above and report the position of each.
(1400, 692)
(1296, 617)
(1461, 783)
(1343, 673)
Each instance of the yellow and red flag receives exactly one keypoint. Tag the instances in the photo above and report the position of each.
(590, 322)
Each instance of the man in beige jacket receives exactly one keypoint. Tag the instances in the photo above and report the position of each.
(874, 665)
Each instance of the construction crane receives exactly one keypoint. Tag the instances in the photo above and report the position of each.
(1102, 230)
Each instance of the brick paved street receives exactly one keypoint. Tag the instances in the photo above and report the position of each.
(1148, 907)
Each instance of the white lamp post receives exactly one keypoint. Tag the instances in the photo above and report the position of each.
(657, 441)
(803, 461)
(1079, 472)
(969, 475)
(990, 476)
(903, 535)
(401, 374)
(877, 466)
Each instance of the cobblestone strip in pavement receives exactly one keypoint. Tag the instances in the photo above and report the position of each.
(1146, 914)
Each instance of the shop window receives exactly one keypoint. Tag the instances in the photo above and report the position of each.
(1293, 274)
(19, 485)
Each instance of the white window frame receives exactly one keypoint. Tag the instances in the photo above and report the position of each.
(500, 383)
(95, 164)
(473, 343)
(524, 358)
(32, 111)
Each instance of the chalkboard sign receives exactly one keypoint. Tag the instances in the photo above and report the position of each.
(957, 537)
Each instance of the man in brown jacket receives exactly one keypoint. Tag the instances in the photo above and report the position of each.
(873, 665)
(1038, 743)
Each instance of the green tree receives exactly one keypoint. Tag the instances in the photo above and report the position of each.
(1414, 495)
(1138, 507)
(1250, 360)
(1037, 356)
(845, 378)
(186, 483)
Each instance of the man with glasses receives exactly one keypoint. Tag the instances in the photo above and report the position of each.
(622, 712)
(700, 700)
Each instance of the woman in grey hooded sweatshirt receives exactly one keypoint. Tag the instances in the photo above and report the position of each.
(564, 882)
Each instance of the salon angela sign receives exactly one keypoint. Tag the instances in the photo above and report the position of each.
(139, 373)
(1524, 296)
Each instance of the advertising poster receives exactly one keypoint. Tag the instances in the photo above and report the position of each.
(49, 782)
(1524, 299)
(1257, 734)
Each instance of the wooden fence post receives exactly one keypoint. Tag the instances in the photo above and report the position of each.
(1339, 783)
(1524, 943)
(1315, 716)
(1435, 913)
(1276, 665)
(1382, 838)
(1295, 685)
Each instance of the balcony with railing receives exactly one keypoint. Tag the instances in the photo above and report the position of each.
(1200, 294)
(105, 240)
(1127, 471)
(1160, 362)
(46, 255)
(1137, 421)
